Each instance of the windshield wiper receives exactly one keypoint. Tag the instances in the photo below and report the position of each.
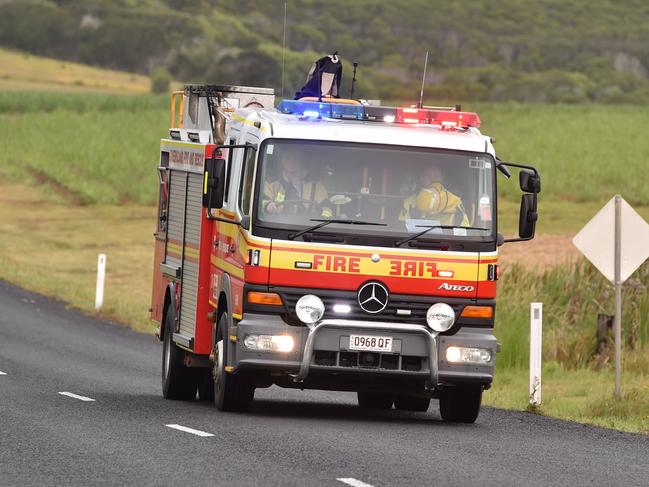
(324, 222)
(399, 243)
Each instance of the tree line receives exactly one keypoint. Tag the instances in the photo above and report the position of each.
(547, 51)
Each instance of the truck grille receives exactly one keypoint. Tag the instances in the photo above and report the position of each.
(368, 360)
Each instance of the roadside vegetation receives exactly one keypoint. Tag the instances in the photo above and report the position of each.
(23, 71)
(77, 178)
(570, 144)
(544, 51)
(89, 149)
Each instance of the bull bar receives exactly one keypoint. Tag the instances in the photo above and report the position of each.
(365, 325)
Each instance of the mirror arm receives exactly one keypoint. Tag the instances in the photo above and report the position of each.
(501, 166)
(518, 239)
(520, 166)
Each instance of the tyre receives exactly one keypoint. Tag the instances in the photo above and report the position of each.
(178, 381)
(231, 392)
(375, 400)
(460, 404)
(412, 403)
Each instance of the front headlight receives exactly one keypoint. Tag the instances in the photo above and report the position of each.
(440, 317)
(468, 355)
(269, 343)
(309, 309)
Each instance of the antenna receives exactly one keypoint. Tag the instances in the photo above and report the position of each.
(351, 96)
(423, 82)
(283, 49)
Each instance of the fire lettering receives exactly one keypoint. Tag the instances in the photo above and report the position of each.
(336, 263)
(412, 268)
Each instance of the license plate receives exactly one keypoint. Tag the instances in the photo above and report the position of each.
(370, 343)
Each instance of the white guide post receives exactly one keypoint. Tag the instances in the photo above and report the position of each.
(101, 277)
(536, 346)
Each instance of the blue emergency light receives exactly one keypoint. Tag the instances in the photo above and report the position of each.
(314, 109)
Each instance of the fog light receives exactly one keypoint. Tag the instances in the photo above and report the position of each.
(269, 343)
(440, 317)
(309, 309)
(468, 355)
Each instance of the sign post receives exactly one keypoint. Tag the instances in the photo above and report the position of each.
(617, 321)
(617, 255)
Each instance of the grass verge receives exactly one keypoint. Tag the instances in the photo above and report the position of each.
(584, 395)
(52, 248)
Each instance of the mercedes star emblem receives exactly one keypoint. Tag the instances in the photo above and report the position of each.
(373, 297)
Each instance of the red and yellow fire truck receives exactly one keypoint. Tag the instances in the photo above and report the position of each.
(328, 244)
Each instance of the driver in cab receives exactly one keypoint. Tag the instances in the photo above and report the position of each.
(433, 201)
(293, 192)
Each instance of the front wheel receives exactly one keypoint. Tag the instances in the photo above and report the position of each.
(231, 392)
(460, 404)
(178, 381)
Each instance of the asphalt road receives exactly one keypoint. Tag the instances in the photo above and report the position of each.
(289, 437)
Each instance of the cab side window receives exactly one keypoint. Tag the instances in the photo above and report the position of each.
(247, 175)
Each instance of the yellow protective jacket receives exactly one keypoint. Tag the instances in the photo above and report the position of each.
(448, 210)
(312, 195)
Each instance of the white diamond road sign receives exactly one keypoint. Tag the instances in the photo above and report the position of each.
(597, 240)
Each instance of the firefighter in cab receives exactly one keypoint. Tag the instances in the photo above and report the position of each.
(433, 201)
(294, 192)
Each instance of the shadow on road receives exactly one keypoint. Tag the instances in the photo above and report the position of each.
(322, 410)
(332, 411)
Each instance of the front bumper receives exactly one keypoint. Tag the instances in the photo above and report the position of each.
(419, 352)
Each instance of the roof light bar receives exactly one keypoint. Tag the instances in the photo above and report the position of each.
(447, 119)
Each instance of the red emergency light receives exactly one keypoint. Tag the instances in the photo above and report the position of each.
(411, 115)
(447, 119)
(452, 119)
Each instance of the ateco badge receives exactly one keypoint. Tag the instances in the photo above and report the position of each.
(373, 297)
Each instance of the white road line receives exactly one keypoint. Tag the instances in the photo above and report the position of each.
(354, 482)
(2, 373)
(188, 430)
(75, 396)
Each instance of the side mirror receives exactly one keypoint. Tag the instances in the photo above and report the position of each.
(214, 183)
(528, 217)
(530, 181)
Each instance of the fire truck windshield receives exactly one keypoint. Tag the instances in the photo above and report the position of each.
(403, 188)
